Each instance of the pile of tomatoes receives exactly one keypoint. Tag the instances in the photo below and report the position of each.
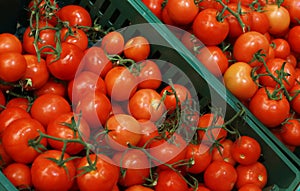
(75, 117)
(253, 47)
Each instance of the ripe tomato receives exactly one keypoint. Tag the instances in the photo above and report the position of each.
(74, 36)
(138, 188)
(211, 4)
(208, 29)
(146, 104)
(291, 58)
(239, 82)
(213, 58)
(104, 176)
(47, 10)
(270, 112)
(5, 158)
(49, 106)
(250, 187)
(295, 103)
(255, 173)
(19, 175)
(248, 44)
(260, 22)
(20, 102)
(52, 86)
(68, 126)
(182, 12)
(170, 180)
(290, 132)
(75, 15)
(281, 48)
(2, 100)
(135, 166)
(122, 129)
(36, 71)
(149, 132)
(68, 63)
(120, 83)
(217, 172)
(113, 43)
(150, 75)
(155, 7)
(46, 172)
(293, 7)
(223, 153)
(10, 43)
(294, 38)
(12, 66)
(137, 48)
(201, 156)
(17, 139)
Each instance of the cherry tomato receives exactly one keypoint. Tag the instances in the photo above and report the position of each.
(137, 48)
(10, 43)
(47, 10)
(291, 58)
(52, 86)
(149, 132)
(113, 43)
(138, 188)
(155, 7)
(281, 48)
(2, 100)
(20, 102)
(293, 7)
(223, 152)
(5, 158)
(290, 132)
(19, 175)
(260, 22)
(170, 180)
(295, 103)
(249, 187)
(150, 75)
(74, 36)
(75, 15)
(294, 38)
(12, 66)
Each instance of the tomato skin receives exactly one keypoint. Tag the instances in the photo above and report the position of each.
(77, 37)
(103, 178)
(220, 171)
(68, 64)
(52, 86)
(138, 188)
(113, 43)
(150, 75)
(149, 132)
(75, 15)
(282, 48)
(2, 100)
(19, 175)
(255, 173)
(293, 8)
(20, 102)
(224, 152)
(207, 29)
(260, 22)
(41, 6)
(239, 82)
(16, 138)
(295, 103)
(10, 43)
(290, 132)
(155, 7)
(5, 158)
(294, 38)
(250, 187)
(12, 66)
(182, 12)
(270, 112)
(170, 180)
(137, 48)
(46, 172)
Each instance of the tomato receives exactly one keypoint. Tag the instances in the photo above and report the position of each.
(85, 82)
(260, 22)
(281, 48)
(279, 18)
(213, 58)
(135, 166)
(95, 108)
(250, 187)
(68, 63)
(10, 43)
(294, 38)
(170, 180)
(138, 188)
(122, 129)
(182, 12)
(75, 15)
(274, 66)
(104, 176)
(120, 83)
(277, 133)
(155, 7)
(166, 18)
(290, 132)
(49, 106)
(74, 36)
(17, 138)
(247, 45)
(150, 75)
(211, 4)
(11, 114)
(46, 172)
(20, 102)
(137, 48)
(293, 7)
(270, 112)
(95, 60)
(238, 80)
(19, 175)
(12, 66)
(201, 156)
(220, 172)
(52, 86)
(146, 104)
(36, 71)
(255, 173)
(47, 10)
(200, 188)
(295, 103)
(113, 43)
(68, 126)
(2, 100)
(5, 159)
(223, 152)
(149, 132)
(208, 29)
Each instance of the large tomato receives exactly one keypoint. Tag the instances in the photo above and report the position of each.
(75, 15)
(170, 180)
(294, 38)
(293, 6)
(260, 22)
(12, 66)
(10, 43)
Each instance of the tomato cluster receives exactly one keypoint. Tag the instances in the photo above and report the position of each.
(253, 47)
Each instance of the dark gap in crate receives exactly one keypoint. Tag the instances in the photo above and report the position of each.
(104, 6)
(156, 54)
(92, 1)
(125, 23)
(88, 8)
(114, 16)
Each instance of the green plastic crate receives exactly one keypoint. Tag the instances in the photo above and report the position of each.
(283, 174)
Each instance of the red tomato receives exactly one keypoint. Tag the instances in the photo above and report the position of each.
(281, 48)
(12, 66)
(20, 102)
(211, 4)
(137, 48)
(5, 158)
(255, 173)
(294, 38)
(49, 106)
(113, 43)
(155, 7)
(250, 187)
(150, 75)
(17, 138)
(46, 172)
(68, 63)
(182, 12)
(170, 180)
(47, 10)
(223, 152)
(149, 132)
(220, 175)
(270, 112)
(19, 175)
(295, 103)
(138, 188)
(74, 36)
(104, 176)
(290, 132)
(260, 22)
(2, 100)
(208, 29)
(75, 15)
(293, 7)
(52, 86)
(10, 43)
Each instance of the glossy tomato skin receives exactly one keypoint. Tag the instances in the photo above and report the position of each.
(223, 153)
(2, 100)
(295, 103)
(113, 43)
(294, 38)
(270, 112)
(75, 36)
(68, 64)
(10, 43)
(293, 7)
(281, 48)
(5, 158)
(250, 187)
(75, 15)
(19, 175)
(103, 177)
(149, 132)
(138, 188)
(16, 138)
(12, 66)
(52, 86)
(155, 7)
(170, 180)
(46, 172)
(290, 132)
(137, 48)
(150, 75)
(260, 22)
(45, 15)
(20, 102)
